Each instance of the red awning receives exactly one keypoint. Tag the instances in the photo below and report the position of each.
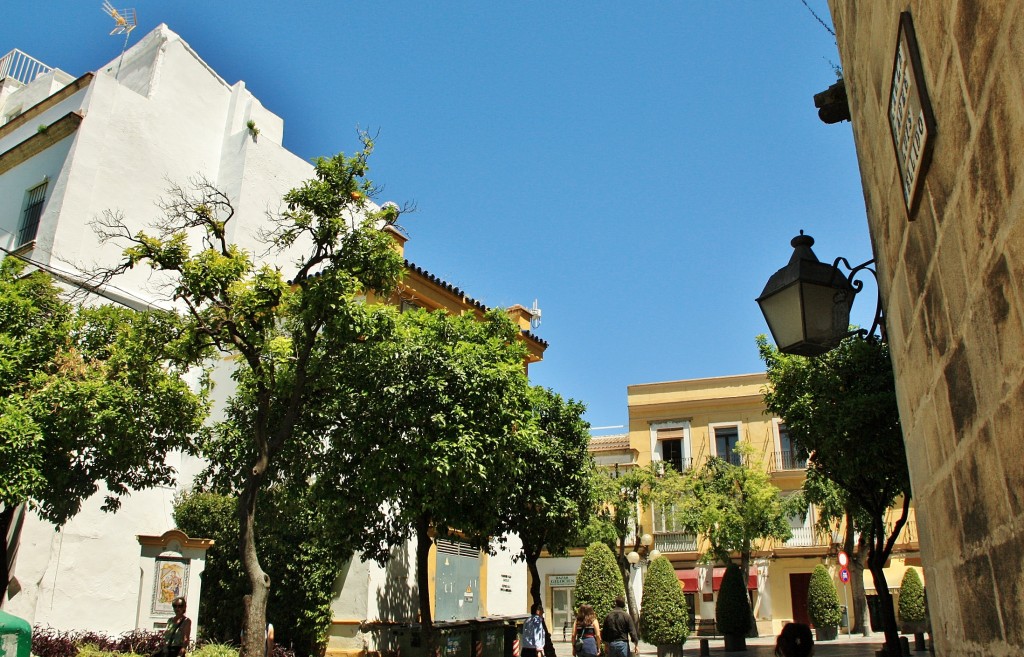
(688, 576)
(716, 578)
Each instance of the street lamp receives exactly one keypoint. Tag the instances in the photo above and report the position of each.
(807, 302)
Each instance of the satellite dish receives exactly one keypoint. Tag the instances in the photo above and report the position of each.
(534, 315)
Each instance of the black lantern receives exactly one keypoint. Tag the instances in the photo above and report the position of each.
(807, 302)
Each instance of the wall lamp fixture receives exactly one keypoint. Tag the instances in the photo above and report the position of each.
(807, 303)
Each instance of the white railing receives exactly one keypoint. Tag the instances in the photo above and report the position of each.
(23, 68)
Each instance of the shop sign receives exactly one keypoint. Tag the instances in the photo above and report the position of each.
(911, 121)
(562, 580)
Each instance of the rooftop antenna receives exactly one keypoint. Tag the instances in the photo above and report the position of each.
(124, 23)
(534, 316)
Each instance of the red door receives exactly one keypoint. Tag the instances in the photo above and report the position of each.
(798, 583)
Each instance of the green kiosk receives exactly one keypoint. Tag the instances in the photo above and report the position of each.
(15, 636)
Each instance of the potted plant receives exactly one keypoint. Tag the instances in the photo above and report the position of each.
(823, 604)
(598, 580)
(663, 618)
(912, 609)
(732, 610)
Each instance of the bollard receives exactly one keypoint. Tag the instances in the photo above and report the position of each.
(905, 646)
(705, 650)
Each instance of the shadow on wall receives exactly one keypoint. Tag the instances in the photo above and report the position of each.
(397, 600)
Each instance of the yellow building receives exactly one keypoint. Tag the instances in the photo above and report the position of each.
(684, 423)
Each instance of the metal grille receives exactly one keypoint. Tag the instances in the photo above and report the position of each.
(33, 211)
(457, 548)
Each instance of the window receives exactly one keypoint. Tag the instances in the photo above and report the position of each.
(34, 200)
(725, 443)
(791, 457)
(670, 446)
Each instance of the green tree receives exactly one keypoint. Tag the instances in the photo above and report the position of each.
(664, 619)
(912, 607)
(734, 507)
(447, 397)
(598, 580)
(552, 504)
(833, 505)
(732, 609)
(841, 408)
(822, 599)
(284, 335)
(88, 396)
(617, 521)
(299, 558)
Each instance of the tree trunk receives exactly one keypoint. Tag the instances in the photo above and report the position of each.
(745, 567)
(859, 598)
(876, 563)
(531, 565)
(6, 550)
(423, 543)
(624, 569)
(255, 623)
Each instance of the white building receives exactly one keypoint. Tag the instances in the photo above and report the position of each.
(71, 149)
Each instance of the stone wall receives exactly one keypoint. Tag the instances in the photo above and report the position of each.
(953, 284)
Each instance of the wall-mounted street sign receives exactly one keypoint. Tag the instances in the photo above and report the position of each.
(910, 115)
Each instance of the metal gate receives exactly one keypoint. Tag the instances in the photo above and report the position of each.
(457, 582)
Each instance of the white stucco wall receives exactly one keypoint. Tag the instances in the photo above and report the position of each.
(168, 117)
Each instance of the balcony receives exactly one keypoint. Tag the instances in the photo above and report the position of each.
(790, 460)
(21, 67)
(907, 535)
(675, 541)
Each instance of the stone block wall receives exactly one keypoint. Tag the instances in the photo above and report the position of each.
(952, 280)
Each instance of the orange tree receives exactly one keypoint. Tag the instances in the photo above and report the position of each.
(283, 335)
(841, 408)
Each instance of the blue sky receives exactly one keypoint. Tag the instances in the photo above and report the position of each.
(637, 167)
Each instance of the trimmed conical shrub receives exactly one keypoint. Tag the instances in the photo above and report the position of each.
(732, 611)
(911, 598)
(598, 580)
(822, 599)
(663, 616)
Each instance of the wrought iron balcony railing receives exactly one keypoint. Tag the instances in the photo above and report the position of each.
(675, 541)
(790, 460)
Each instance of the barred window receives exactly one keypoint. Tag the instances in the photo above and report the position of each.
(34, 200)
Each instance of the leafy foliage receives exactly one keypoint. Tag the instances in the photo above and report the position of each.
(215, 650)
(912, 606)
(285, 335)
(732, 610)
(664, 619)
(50, 642)
(822, 599)
(299, 558)
(598, 580)
(841, 407)
(553, 501)
(620, 496)
(733, 506)
(88, 396)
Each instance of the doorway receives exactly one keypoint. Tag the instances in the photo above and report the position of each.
(562, 600)
(798, 583)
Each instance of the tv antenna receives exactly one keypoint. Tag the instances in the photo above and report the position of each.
(124, 23)
(534, 316)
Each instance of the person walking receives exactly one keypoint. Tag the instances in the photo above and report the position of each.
(586, 633)
(619, 628)
(534, 633)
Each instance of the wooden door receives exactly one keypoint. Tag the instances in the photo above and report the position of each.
(798, 583)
